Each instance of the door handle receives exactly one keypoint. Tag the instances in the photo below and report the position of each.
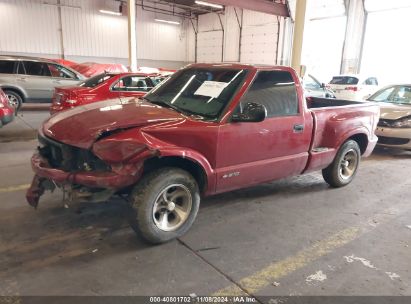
(23, 79)
(298, 128)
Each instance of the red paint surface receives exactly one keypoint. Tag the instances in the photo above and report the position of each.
(6, 110)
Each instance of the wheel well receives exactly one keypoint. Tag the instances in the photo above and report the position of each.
(362, 141)
(174, 161)
(15, 91)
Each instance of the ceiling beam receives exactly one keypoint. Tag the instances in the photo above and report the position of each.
(263, 6)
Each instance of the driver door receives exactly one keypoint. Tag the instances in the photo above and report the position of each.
(255, 152)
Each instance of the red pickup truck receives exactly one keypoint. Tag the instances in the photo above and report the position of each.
(206, 130)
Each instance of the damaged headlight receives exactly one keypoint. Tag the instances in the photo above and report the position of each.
(402, 123)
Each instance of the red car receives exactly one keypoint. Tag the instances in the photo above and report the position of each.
(6, 110)
(208, 129)
(102, 87)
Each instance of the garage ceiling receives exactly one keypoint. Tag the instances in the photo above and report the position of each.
(275, 7)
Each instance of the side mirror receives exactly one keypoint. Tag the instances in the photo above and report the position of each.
(252, 112)
(323, 85)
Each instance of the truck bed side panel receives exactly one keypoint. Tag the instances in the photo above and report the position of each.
(334, 125)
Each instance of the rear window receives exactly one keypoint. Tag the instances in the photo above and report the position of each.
(6, 67)
(96, 80)
(344, 80)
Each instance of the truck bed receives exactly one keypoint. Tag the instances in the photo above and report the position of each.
(319, 102)
(334, 119)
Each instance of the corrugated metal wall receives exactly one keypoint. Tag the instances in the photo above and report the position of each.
(32, 27)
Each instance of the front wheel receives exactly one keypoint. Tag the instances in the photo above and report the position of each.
(344, 167)
(164, 205)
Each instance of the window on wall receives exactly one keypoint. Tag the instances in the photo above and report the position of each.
(276, 91)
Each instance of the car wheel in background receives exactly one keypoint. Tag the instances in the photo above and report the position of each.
(15, 99)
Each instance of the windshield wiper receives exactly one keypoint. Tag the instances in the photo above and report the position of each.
(167, 105)
(163, 104)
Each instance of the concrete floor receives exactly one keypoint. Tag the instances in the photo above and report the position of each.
(289, 237)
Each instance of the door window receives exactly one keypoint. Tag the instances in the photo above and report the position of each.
(276, 91)
(60, 71)
(401, 95)
(371, 81)
(133, 83)
(7, 66)
(311, 84)
(35, 68)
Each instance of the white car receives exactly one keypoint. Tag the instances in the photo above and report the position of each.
(353, 87)
(394, 126)
(314, 88)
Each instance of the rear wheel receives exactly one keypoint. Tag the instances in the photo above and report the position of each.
(344, 167)
(16, 100)
(164, 205)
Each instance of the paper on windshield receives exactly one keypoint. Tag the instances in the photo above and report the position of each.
(211, 88)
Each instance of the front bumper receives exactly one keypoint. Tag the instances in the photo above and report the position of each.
(371, 145)
(394, 137)
(90, 179)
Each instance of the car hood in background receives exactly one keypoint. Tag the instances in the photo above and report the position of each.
(81, 126)
(394, 111)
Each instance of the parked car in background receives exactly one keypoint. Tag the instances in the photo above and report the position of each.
(28, 79)
(394, 127)
(102, 87)
(7, 111)
(314, 88)
(91, 69)
(208, 129)
(353, 87)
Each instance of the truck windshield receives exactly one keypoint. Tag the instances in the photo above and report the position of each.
(199, 91)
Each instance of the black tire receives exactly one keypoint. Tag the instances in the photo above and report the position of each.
(339, 173)
(145, 198)
(15, 98)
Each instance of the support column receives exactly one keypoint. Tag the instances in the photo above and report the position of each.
(354, 37)
(132, 38)
(298, 35)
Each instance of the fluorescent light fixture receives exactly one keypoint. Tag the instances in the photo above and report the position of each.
(110, 12)
(209, 4)
(167, 21)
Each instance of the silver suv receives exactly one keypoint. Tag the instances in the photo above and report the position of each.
(32, 79)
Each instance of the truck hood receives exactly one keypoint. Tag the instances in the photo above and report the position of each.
(81, 126)
(394, 111)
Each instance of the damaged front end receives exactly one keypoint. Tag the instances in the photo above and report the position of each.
(81, 174)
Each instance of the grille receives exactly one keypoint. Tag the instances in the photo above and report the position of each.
(392, 140)
(69, 158)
